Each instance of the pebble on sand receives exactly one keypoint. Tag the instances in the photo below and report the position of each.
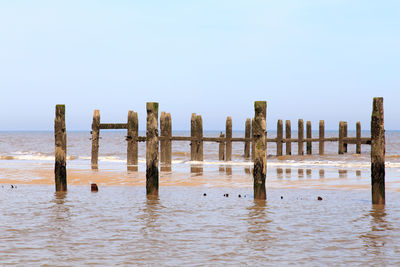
(94, 188)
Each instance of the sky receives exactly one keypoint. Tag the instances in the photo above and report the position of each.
(308, 59)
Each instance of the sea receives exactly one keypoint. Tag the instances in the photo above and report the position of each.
(318, 209)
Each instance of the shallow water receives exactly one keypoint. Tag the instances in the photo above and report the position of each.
(120, 226)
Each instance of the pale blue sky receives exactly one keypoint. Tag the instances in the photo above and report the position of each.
(308, 59)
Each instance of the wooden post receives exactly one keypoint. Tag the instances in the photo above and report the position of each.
(358, 137)
(345, 135)
(95, 138)
(193, 143)
(260, 159)
(166, 143)
(288, 131)
(377, 152)
(253, 148)
(247, 133)
(152, 149)
(279, 137)
(222, 147)
(300, 137)
(131, 138)
(60, 137)
(228, 142)
(321, 137)
(309, 135)
(199, 136)
(341, 135)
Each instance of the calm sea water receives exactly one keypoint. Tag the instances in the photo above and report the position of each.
(120, 226)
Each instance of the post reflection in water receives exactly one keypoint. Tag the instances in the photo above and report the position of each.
(342, 173)
(228, 169)
(358, 173)
(279, 172)
(258, 231)
(308, 172)
(247, 170)
(377, 237)
(288, 173)
(221, 168)
(300, 173)
(196, 169)
(321, 173)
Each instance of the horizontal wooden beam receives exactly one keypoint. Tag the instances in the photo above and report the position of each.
(349, 140)
(109, 126)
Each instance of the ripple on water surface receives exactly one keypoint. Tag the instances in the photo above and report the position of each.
(119, 226)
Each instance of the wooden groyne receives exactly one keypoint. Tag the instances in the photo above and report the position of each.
(255, 144)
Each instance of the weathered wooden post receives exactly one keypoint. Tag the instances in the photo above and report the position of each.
(132, 139)
(288, 131)
(228, 142)
(300, 137)
(60, 137)
(358, 137)
(309, 135)
(279, 137)
(199, 136)
(247, 133)
(377, 152)
(193, 142)
(221, 147)
(341, 135)
(345, 136)
(321, 137)
(95, 138)
(260, 157)
(165, 142)
(253, 148)
(152, 149)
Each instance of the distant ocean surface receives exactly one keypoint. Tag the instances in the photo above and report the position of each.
(192, 223)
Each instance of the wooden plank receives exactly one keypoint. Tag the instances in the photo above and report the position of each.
(193, 143)
(358, 137)
(113, 126)
(247, 133)
(321, 137)
(300, 137)
(165, 143)
(152, 157)
(377, 152)
(279, 137)
(221, 151)
(341, 136)
(309, 136)
(288, 134)
(253, 149)
(260, 159)
(132, 144)
(60, 138)
(95, 139)
(228, 140)
(345, 132)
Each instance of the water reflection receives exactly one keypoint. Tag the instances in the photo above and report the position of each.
(321, 173)
(308, 172)
(228, 170)
(358, 173)
(288, 173)
(342, 173)
(149, 216)
(376, 238)
(132, 168)
(300, 173)
(258, 230)
(197, 169)
(165, 168)
(247, 170)
(279, 172)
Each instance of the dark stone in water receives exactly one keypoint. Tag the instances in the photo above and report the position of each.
(12, 186)
(94, 188)
(319, 198)
(204, 194)
(226, 195)
(281, 197)
(239, 195)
